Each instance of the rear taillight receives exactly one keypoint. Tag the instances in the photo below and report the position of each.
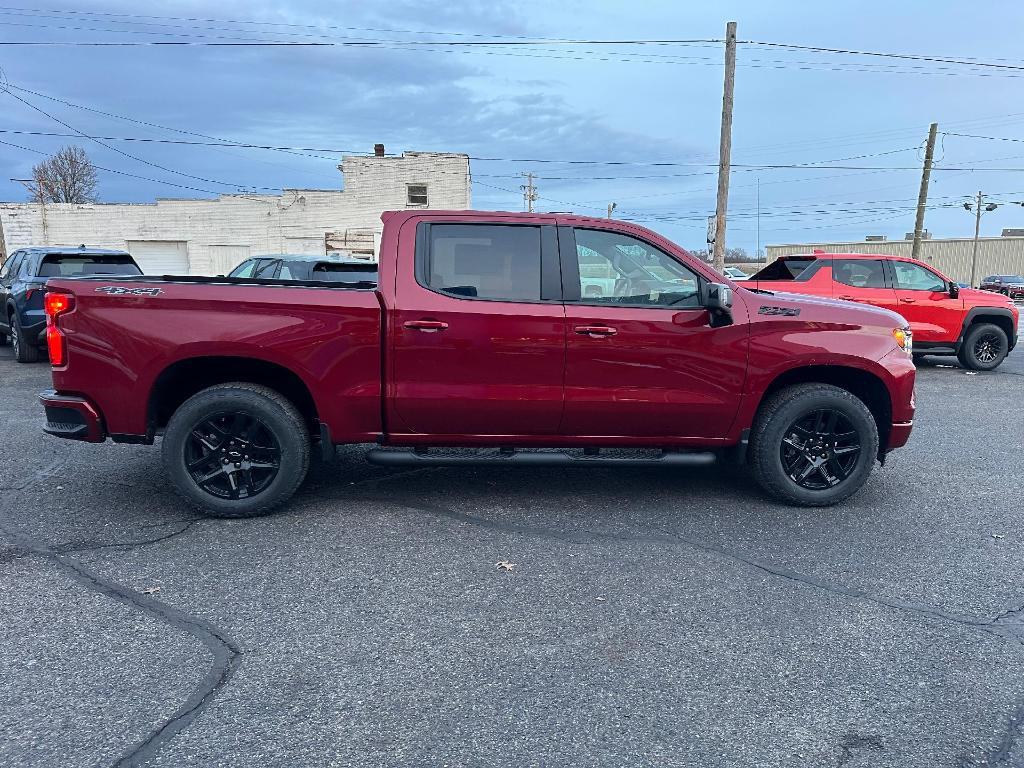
(56, 304)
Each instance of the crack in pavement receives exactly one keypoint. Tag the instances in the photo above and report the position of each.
(1009, 624)
(88, 546)
(227, 656)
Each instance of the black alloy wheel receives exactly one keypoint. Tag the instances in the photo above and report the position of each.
(820, 449)
(232, 455)
(988, 347)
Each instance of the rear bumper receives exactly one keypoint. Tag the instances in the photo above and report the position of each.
(72, 417)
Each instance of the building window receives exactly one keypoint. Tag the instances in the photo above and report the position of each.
(416, 194)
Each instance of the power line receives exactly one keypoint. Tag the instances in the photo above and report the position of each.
(909, 56)
(126, 154)
(975, 136)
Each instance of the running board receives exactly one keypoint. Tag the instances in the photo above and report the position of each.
(423, 458)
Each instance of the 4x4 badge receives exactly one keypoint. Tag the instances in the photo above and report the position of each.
(117, 290)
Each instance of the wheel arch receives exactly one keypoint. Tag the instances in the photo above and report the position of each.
(999, 316)
(862, 384)
(184, 378)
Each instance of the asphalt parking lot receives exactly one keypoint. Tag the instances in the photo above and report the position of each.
(653, 616)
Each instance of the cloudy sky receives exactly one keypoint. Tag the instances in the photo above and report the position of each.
(859, 121)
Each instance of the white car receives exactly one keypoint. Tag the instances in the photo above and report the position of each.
(735, 273)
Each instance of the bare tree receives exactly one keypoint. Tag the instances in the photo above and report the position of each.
(67, 177)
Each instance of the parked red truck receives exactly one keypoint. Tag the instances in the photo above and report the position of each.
(979, 327)
(479, 335)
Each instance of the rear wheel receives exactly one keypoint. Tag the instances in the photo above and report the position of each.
(984, 347)
(236, 450)
(24, 350)
(813, 445)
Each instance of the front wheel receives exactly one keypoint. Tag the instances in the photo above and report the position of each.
(813, 445)
(236, 450)
(984, 347)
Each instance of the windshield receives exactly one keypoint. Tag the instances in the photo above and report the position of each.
(81, 265)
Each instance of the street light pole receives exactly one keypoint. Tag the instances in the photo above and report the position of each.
(976, 206)
(977, 231)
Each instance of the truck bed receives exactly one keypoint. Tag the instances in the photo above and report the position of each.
(156, 333)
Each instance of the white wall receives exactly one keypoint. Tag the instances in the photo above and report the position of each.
(259, 223)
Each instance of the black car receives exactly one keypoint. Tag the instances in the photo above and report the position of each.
(1008, 285)
(283, 266)
(22, 280)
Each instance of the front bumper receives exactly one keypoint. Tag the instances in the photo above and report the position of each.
(899, 434)
(72, 417)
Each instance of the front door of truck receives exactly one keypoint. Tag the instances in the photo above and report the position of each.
(477, 333)
(642, 359)
(923, 299)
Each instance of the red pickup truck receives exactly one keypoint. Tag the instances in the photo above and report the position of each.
(479, 335)
(979, 327)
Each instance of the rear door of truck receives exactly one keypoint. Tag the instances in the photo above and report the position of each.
(477, 330)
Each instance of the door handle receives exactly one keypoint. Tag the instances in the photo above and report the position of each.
(847, 298)
(595, 331)
(908, 301)
(427, 326)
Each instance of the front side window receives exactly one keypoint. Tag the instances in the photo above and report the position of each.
(859, 273)
(914, 277)
(266, 268)
(11, 265)
(485, 261)
(416, 194)
(618, 269)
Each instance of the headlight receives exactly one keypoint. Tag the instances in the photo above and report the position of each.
(904, 339)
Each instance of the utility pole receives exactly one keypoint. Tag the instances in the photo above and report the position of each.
(757, 253)
(529, 192)
(725, 146)
(976, 206)
(612, 207)
(922, 197)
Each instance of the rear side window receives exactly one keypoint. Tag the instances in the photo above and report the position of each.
(859, 273)
(82, 265)
(485, 261)
(786, 269)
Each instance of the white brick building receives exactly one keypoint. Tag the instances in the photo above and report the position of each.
(209, 237)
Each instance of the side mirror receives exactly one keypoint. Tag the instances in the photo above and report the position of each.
(954, 290)
(717, 299)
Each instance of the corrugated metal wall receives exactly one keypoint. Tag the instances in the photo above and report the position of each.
(996, 255)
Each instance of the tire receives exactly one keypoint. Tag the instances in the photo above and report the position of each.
(24, 350)
(775, 454)
(267, 430)
(984, 347)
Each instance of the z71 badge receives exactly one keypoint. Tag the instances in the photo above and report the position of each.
(116, 290)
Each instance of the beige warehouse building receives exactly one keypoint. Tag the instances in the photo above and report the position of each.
(952, 256)
(212, 236)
